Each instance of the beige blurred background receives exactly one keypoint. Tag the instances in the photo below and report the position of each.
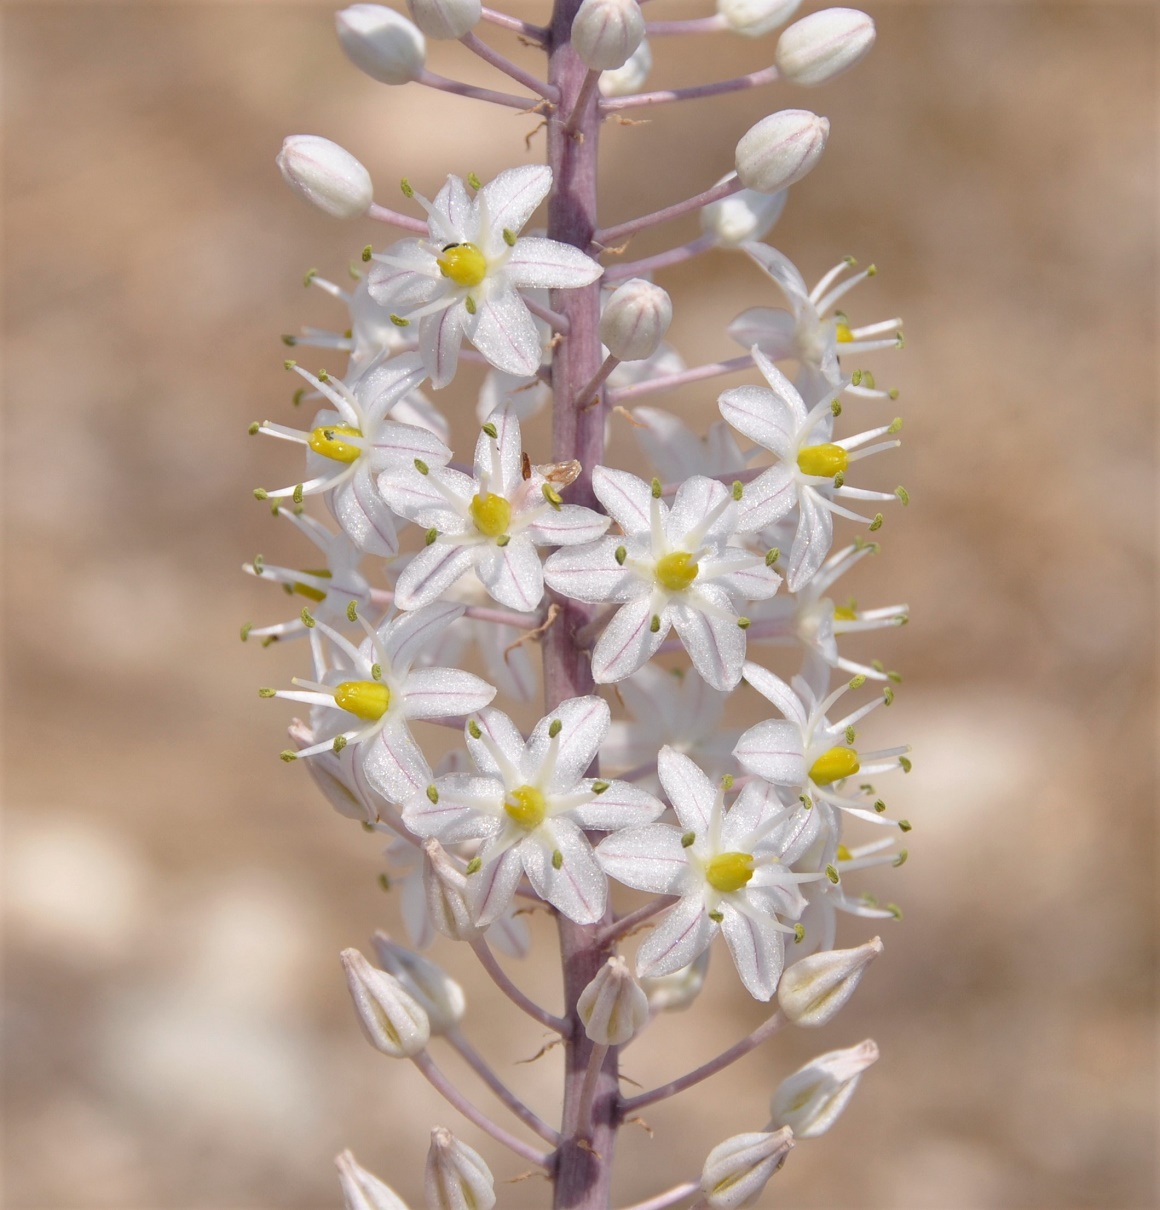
(178, 1035)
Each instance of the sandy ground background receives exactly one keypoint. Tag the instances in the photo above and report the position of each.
(178, 1035)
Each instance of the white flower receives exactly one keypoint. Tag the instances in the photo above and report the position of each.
(440, 997)
(630, 78)
(671, 567)
(381, 42)
(362, 1190)
(457, 1177)
(391, 1018)
(810, 1100)
(530, 806)
(812, 332)
(825, 899)
(325, 174)
(755, 17)
(810, 470)
(378, 691)
(816, 988)
(823, 45)
(606, 33)
(726, 868)
(492, 523)
(676, 452)
(737, 1170)
(635, 318)
(330, 588)
(810, 758)
(348, 447)
(744, 215)
(613, 1007)
(464, 280)
(780, 149)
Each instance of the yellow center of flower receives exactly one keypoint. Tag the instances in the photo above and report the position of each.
(729, 871)
(492, 514)
(844, 853)
(327, 440)
(843, 613)
(826, 460)
(526, 806)
(845, 336)
(676, 571)
(463, 263)
(365, 699)
(308, 590)
(833, 765)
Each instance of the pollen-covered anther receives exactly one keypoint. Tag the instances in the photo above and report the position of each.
(729, 871)
(492, 514)
(825, 460)
(465, 264)
(833, 765)
(367, 700)
(676, 571)
(327, 440)
(526, 806)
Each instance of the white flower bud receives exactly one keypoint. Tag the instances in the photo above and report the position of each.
(393, 1021)
(780, 149)
(755, 17)
(631, 77)
(605, 33)
(326, 174)
(612, 1007)
(742, 216)
(446, 18)
(440, 997)
(446, 890)
(635, 320)
(361, 1190)
(737, 1170)
(456, 1176)
(381, 42)
(810, 1100)
(821, 46)
(814, 989)
(676, 992)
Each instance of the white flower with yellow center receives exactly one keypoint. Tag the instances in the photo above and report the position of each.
(811, 467)
(826, 898)
(491, 523)
(811, 760)
(465, 278)
(812, 332)
(348, 446)
(531, 806)
(671, 566)
(375, 693)
(726, 868)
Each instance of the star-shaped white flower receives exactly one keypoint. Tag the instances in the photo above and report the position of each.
(491, 523)
(810, 759)
(826, 898)
(726, 868)
(811, 468)
(370, 698)
(465, 278)
(670, 567)
(812, 332)
(349, 446)
(531, 806)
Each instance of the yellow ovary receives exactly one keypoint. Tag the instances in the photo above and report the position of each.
(676, 571)
(826, 460)
(845, 336)
(327, 440)
(463, 263)
(492, 514)
(308, 590)
(526, 806)
(833, 765)
(365, 699)
(843, 613)
(729, 871)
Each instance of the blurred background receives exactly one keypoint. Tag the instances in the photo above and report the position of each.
(178, 1032)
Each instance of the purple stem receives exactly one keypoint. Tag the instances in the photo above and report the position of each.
(755, 79)
(509, 989)
(536, 32)
(504, 64)
(610, 235)
(662, 260)
(477, 94)
(597, 381)
(627, 923)
(385, 215)
(698, 25)
(554, 319)
(668, 381)
(662, 1201)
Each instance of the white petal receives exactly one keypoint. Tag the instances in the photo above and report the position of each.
(511, 198)
(761, 416)
(674, 450)
(776, 691)
(773, 750)
(591, 573)
(651, 858)
(693, 501)
(504, 735)
(683, 932)
(513, 573)
(578, 888)
(394, 764)
(628, 641)
(767, 499)
(757, 947)
(467, 808)
(716, 644)
(782, 270)
(548, 264)
(440, 336)
(509, 447)
(568, 525)
(380, 388)
(417, 497)
(509, 934)
(492, 886)
(743, 576)
(503, 330)
(454, 212)
(364, 516)
(398, 445)
(773, 331)
(626, 498)
(432, 572)
(689, 790)
(811, 543)
(620, 806)
(444, 693)
(653, 695)
(404, 637)
(584, 723)
(406, 286)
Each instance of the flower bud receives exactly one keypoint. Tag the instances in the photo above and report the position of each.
(440, 997)
(635, 320)
(381, 42)
(612, 1007)
(631, 77)
(393, 1021)
(821, 46)
(676, 992)
(446, 18)
(814, 989)
(605, 33)
(780, 149)
(326, 174)
(447, 900)
(361, 1190)
(736, 1170)
(456, 1176)
(810, 1100)
(755, 17)
(742, 216)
